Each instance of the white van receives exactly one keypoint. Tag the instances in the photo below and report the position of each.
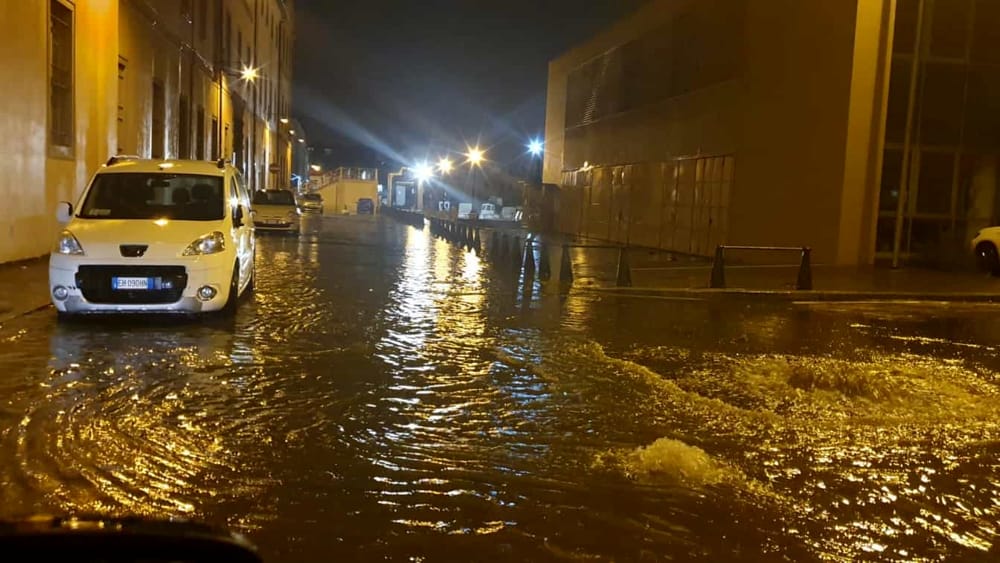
(155, 236)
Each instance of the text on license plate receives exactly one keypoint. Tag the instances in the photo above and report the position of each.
(133, 283)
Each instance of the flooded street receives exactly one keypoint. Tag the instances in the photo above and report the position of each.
(385, 395)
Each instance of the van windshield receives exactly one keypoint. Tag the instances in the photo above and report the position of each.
(183, 197)
(274, 197)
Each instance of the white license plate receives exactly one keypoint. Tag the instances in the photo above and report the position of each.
(130, 283)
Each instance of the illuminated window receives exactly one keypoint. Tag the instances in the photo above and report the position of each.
(61, 78)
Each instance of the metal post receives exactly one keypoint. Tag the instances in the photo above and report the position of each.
(566, 267)
(904, 173)
(805, 280)
(718, 280)
(544, 267)
(624, 277)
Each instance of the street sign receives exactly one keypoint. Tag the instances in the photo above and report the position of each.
(274, 168)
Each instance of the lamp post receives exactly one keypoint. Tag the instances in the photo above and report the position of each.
(536, 148)
(475, 158)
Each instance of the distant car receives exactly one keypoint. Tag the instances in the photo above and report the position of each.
(312, 202)
(276, 210)
(985, 247)
(154, 236)
(366, 206)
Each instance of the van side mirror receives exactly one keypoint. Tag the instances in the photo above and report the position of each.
(64, 212)
(238, 216)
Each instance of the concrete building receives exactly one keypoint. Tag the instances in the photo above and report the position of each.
(87, 79)
(693, 123)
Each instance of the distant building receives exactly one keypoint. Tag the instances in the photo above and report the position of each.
(88, 79)
(694, 123)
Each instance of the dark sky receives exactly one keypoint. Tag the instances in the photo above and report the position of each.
(409, 79)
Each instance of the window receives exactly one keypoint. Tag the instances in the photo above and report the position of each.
(61, 78)
(184, 197)
(159, 120)
(227, 35)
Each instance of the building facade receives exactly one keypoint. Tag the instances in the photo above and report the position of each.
(694, 123)
(88, 79)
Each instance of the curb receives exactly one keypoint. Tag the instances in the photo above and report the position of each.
(795, 295)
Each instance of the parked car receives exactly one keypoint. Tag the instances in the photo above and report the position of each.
(985, 247)
(276, 210)
(154, 236)
(312, 202)
(366, 206)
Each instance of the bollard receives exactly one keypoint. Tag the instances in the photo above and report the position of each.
(805, 281)
(515, 252)
(566, 267)
(624, 278)
(492, 249)
(544, 268)
(504, 246)
(477, 243)
(718, 280)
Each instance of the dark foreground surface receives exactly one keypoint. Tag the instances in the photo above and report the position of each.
(385, 395)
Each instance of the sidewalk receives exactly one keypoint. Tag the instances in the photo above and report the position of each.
(654, 275)
(24, 287)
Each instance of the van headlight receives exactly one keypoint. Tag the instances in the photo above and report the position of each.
(68, 245)
(212, 243)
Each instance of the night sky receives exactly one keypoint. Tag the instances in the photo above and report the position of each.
(404, 80)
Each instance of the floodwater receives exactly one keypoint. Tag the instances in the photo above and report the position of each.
(385, 395)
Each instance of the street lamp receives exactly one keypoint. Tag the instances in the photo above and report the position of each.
(423, 172)
(536, 147)
(248, 73)
(475, 156)
(445, 165)
(284, 121)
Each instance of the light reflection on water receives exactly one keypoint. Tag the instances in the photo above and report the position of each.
(385, 394)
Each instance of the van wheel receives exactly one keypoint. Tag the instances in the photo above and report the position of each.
(234, 293)
(988, 259)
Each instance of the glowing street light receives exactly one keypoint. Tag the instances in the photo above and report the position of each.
(475, 156)
(303, 141)
(284, 120)
(535, 147)
(248, 73)
(316, 168)
(423, 172)
(445, 165)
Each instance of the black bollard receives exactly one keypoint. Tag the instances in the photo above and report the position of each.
(544, 268)
(504, 246)
(566, 267)
(805, 280)
(515, 252)
(718, 280)
(624, 277)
